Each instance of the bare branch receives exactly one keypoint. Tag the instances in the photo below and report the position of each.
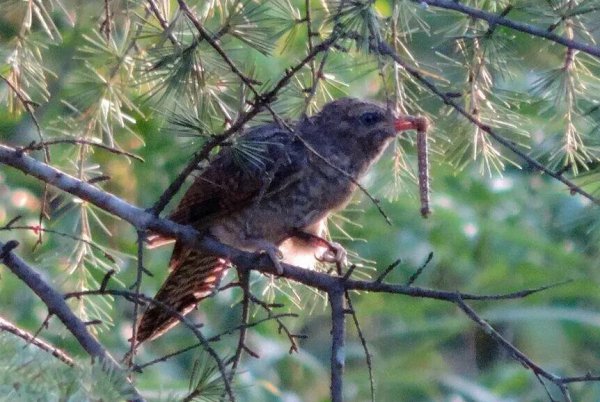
(334, 285)
(142, 219)
(215, 338)
(499, 19)
(514, 352)
(7, 326)
(386, 49)
(338, 352)
(57, 306)
(139, 297)
(44, 144)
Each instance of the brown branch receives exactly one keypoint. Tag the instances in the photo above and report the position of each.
(338, 336)
(44, 144)
(7, 326)
(57, 306)
(259, 102)
(334, 285)
(139, 297)
(385, 49)
(142, 219)
(499, 19)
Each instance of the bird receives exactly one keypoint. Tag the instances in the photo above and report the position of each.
(271, 191)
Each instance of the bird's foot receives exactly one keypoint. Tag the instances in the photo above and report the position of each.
(268, 248)
(335, 254)
(276, 256)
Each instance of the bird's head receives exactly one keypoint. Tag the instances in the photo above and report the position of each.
(362, 128)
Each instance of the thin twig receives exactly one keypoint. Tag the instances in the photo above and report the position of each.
(44, 144)
(384, 48)
(7, 326)
(499, 19)
(363, 342)
(36, 229)
(106, 25)
(139, 298)
(420, 270)
(244, 280)
(514, 351)
(141, 237)
(338, 352)
(389, 269)
(28, 105)
(57, 306)
(215, 338)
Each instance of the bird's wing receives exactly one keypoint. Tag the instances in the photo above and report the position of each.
(263, 160)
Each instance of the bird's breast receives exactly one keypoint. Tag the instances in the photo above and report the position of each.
(275, 216)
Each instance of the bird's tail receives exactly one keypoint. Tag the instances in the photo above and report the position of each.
(195, 276)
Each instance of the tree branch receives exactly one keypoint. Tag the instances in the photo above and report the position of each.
(498, 19)
(334, 285)
(386, 49)
(142, 219)
(57, 306)
(338, 336)
(7, 326)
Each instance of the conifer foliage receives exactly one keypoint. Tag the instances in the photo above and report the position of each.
(109, 109)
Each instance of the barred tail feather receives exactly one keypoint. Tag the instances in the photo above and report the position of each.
(195, 276)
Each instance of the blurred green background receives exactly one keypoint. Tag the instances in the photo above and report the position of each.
(495, 227)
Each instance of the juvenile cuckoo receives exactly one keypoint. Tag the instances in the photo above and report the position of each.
(272, 192)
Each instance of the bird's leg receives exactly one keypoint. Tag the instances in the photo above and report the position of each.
(335, 252)
(269, 249)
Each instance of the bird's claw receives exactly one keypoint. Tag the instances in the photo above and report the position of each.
(335, 253)
(276, 256)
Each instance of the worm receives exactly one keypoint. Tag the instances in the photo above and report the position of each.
(423, 164)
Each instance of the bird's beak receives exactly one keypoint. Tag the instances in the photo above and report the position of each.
(404, 123)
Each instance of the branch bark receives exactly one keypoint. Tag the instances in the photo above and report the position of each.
(334, 285)
(497, 19)
(338, 336)
(7, 326)
(57, 306)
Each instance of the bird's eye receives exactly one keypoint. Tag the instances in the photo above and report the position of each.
(371, 118)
